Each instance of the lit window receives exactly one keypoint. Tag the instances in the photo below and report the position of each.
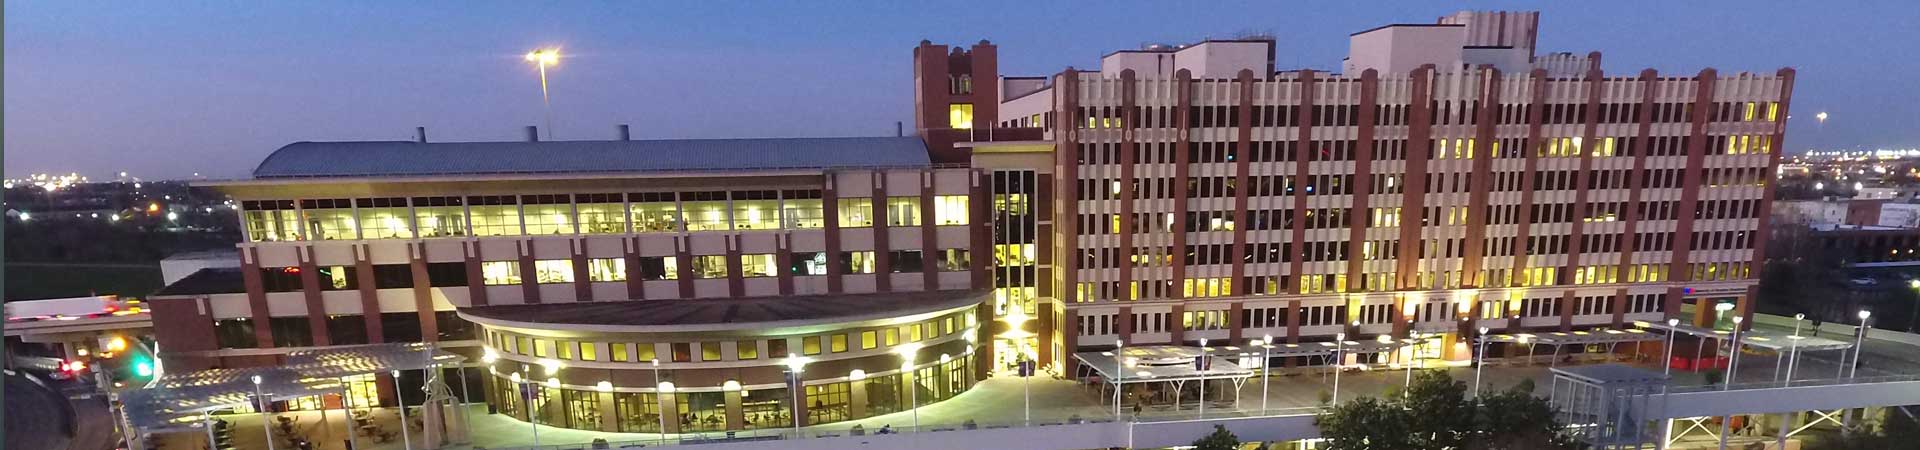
(951, 210)
(659, 268)
(618, 350)
(960, 115)
(744, 350)
(329, 219)
(601, 213)
(810, 345)
(802, 209)
(710, 266)
(903, 211)
(384, 218)
(553, 271)
(440, 216)
(547, 214)
(839, 343)
(654, 212)
(809, 263)
(494, 215)
(868, 339)
(606, 269)
(757, 265)
(589, 351)
(500, 273)
(709, 351)
(955, 260)
(706, 211)
(857, 262)
(756, 210)
(856, 212)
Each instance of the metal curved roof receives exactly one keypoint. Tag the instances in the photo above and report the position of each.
(408, 158)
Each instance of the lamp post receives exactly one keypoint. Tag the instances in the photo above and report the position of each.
(406, 437)
(1733, 370)
(1339, 347)
(1793, 347)
(260, 401)
(1266, 364)
(1480, 361)
(907, 357)
(346, 404)
(544, 58)
(1673, 327)
(1858, 341)
(659, 388)
(1117, 345)
(1406, 388)
(1203, 377)
(796, 364)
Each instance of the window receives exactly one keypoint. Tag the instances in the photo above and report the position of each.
(856, 212)
(494, 215)
(606, 269)
(384, 218)
(745, 350)
(682, 352)
(329, 219)
(709, 351)
(950, 210)
(659, 268)
(601, 213)
(553, 271)
(589, 351)
(955, 260)
(440, 216)
(654, 212)
(271, 220)
(644, 352)
(802, 209)
(706, 211)
(392, 276)
(337, 278)
(710, 266)
(563, 349)
(857, 262)
(868, 340)
(756, 210)
(809, 263)
(839, 343)
(903, 211)
(757, 265)
(499, 273)
(905, 261)
(960, 115)
(618, 351)
(547, 214)
(777, 348)
(810, 345)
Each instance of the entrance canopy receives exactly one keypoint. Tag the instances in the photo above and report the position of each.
(1558, 338)
(179, 399)
(1157, 363)
(1768, 339)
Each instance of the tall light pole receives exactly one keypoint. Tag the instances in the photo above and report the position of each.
(1339, 347)
(1406, 389)
(1480, 361)
(1266, 364)
(660, 387)
(1118, 344)
(406, 437)
(1203, 377)
(1858, 342)
(795, 365)
(543, 58)
(260, 401)
(1673, 327)
(1733, 371)
(1793, 347)
(907, 355)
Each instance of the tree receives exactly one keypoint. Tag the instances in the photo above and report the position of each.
(1219, 439)
(1434, 412)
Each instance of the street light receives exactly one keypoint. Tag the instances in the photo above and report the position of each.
(260, 401)
(1673, 327)
(1859, 341)
(907, 352)
(660, 387)
(1481, 361)
(796, 364)
(1118, 344)
(1733, 371)
(1203, 378)
(1339, 347)
(1793, 347)
(1266, 365)
(406, 439)
(544, 58)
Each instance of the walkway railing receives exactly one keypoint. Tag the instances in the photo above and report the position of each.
(1795, 383)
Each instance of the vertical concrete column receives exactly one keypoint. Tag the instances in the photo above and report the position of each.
(582, 280)
(882, 246)
(609, 419)
(423, 292)
(857, 398)
(529, 276)
(669, 410)
(256, 288)
(636, 285)
(1567, 302)
(736, 417)
(476, 280)
(310, 291)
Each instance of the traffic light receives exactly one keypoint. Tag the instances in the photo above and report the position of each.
(142, 367)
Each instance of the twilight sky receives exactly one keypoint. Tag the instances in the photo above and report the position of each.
(167, 89)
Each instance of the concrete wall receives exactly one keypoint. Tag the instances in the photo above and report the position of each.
(1399, 49)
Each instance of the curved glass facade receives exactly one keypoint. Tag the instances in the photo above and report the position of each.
(700, 409)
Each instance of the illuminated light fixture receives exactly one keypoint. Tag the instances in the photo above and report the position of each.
(604, 386)
(553, 382)
(550, 365)
(489, 355)
(730, 385)
(665, 387)
(857, 375)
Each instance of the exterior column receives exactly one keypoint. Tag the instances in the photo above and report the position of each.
(1691, 176)
(1413, 198)
(256, 288)
(310, 291)
(529, 276)
(636, 285)
(423, 292)
(669, 410)
(369, 296)
(736, 281)
(582, 280)
(1637, 149)
(830, 206)
(882, 248)
(1129, 154)
(1530, 162)
(929, 236)
(476, 280)
(736, 418)
(609, 415)
(857, 399)
(1182, 167)
(1481, 187)
(683, 255)
(1363, 146)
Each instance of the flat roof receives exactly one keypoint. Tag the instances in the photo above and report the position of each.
(711, 314)
(409, 158)
(211, 280)
(1162, 363)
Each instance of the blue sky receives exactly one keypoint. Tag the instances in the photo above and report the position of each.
(167, 89)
